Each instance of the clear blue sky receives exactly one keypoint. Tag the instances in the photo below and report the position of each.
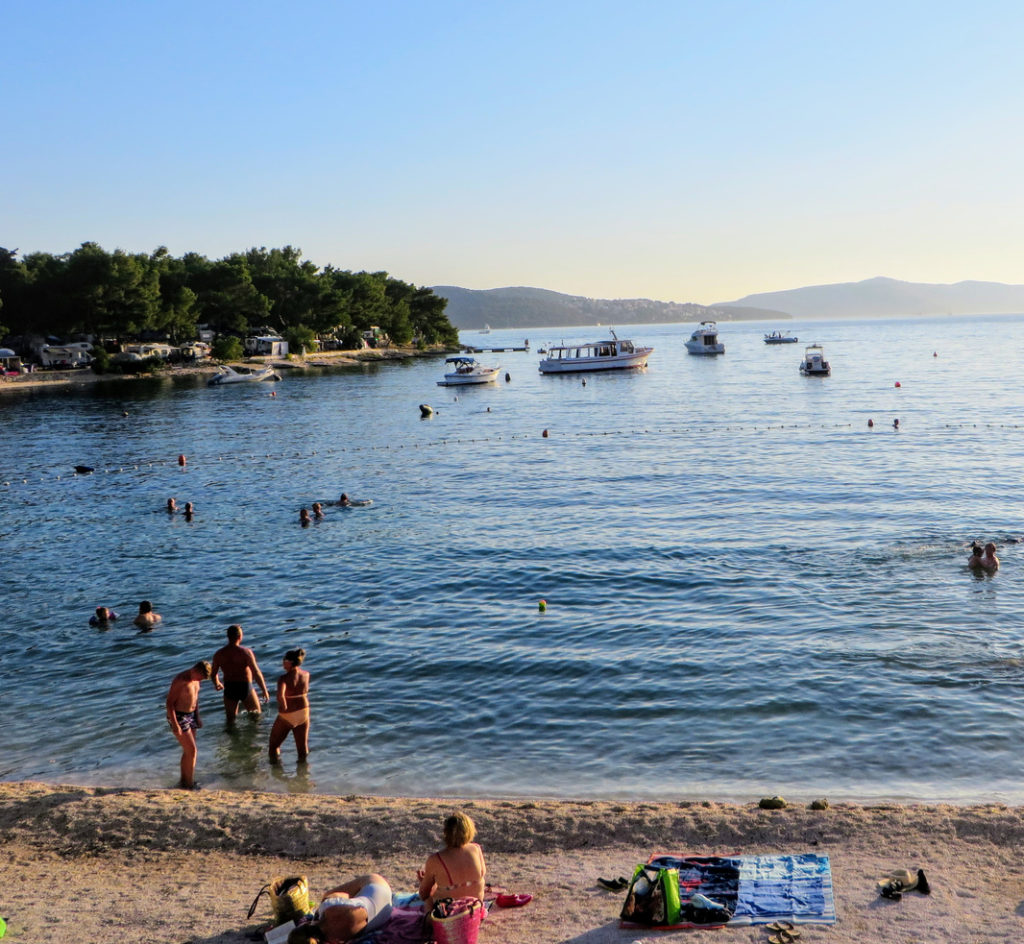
(672, 150)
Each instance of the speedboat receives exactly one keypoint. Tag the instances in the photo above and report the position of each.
(776, 338)
(465, 370)
(814, 363)
(616, 354)
(233, 375)
(705, 340)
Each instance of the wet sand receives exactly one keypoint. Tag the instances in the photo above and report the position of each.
(102, 865)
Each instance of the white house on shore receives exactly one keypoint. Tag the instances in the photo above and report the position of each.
(266, 346)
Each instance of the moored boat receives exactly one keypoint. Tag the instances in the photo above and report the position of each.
(231, 375)
(614, 354)
(466, 370)
(814, 363)
(777, 338)
(705, 340)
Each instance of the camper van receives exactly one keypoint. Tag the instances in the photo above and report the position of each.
(65, 356)
(266, 346)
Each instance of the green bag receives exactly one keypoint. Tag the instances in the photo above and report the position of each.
(653, 897)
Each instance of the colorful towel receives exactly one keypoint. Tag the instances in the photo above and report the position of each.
(758, 889)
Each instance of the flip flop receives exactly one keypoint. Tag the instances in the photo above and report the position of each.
(780, 926)
(513, 901)
(784, 937)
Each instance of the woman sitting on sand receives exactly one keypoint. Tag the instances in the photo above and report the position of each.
(361, 905)
(458, 870)
(292, 707)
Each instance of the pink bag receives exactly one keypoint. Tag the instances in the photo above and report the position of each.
(457, 921)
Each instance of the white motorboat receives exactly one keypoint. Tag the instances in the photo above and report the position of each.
(486, 329)
(465, 370)
(705, 340)
(233, 375)
(814, 363)
(614, 354)
(777, 338)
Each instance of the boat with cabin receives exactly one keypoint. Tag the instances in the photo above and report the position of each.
(466, 370)
(233, 375)
(705, 340)
(814, 363)
(614, 354)
(777, 337)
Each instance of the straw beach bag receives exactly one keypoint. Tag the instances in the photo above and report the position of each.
(456, 921)
(289, 897)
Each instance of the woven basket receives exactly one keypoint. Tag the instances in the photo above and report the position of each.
(457, 921)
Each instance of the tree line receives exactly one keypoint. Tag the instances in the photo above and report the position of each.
(127, 295)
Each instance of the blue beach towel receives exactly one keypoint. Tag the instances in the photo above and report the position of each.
(758, 889)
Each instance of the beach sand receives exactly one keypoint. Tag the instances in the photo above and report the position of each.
(87, 865)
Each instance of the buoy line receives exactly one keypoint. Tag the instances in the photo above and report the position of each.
(197, 462)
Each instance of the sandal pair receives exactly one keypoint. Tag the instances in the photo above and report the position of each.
(785, 932)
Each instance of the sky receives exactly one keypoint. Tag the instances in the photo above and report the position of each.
(667, 149)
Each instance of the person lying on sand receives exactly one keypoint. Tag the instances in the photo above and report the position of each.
(361, 905)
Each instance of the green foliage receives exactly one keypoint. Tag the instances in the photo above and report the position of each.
(300, 339)
(226, 348)
(119, 294)
(100, 360)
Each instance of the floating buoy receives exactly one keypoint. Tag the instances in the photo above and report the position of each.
(542, 605)
(124, 412)
(426, 409)
(545, 434)
(871, 424)
(273, 393)
(896, 384)
(182, 460)
(84, 469)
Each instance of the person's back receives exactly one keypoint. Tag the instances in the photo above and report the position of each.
(458, 870)
(974, 561)
(147, 619)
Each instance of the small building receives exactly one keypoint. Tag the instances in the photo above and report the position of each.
(266, 346)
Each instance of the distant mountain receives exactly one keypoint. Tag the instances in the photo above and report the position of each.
(881, 297)
(539, 308)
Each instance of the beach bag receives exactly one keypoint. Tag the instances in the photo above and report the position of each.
(653, 897)
(289, 898)
(456, 921)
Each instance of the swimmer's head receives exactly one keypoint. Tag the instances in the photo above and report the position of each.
(976, 550)
(990, 548)
(234, 632)
(295, 656)
(145, 607)
(204, 669)
(102, 613)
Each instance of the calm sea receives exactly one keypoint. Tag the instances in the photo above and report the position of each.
(749, 591)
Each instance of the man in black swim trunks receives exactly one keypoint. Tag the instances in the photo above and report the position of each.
(238, 663)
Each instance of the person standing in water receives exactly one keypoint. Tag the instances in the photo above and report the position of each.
(183, 717)
(292, 707)
(240, 669)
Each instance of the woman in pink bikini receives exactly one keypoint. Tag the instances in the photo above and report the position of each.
(458, 870)
(292, 707)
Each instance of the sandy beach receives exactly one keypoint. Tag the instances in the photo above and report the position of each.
(118, 865)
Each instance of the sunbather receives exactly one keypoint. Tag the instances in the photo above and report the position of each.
(361, 905)
(458, 870)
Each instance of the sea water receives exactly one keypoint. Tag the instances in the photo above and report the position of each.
(749, 589)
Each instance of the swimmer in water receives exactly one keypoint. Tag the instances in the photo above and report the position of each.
(147, 619)
(189, 511)
(318, 510)
(172, 506)
(304, 518)
(344, 501)
(974, 561)
(990, 562)
(104, 615)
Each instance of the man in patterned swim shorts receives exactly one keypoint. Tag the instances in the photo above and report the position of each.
(183, 717)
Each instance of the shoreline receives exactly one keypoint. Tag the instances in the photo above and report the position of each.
(185, 866)
(83, 377)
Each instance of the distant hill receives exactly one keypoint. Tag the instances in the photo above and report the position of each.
(541, 308)
(881, 297)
